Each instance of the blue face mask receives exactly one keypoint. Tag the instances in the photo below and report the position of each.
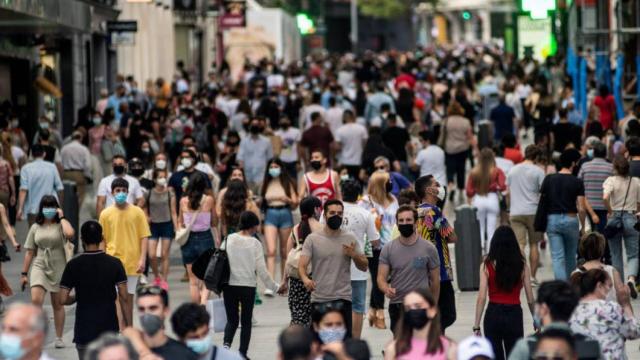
(590, 153)
(537, 321)
(120, 197)
(330, 335)
(49, 212)
(274, 172)
(11, 347)
(199, 346)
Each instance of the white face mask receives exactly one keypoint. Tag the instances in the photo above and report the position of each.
(161, 164)
(186, 162)
(441, 193)
(161, 181)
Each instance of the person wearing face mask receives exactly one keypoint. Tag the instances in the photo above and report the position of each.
(136, 169)
(135, 195)
(330, 327)
(24, 331)
(153, 309)
(350, 141)
(190, 323)
(254, 152)
(321, 181)
(96, 278)
(554, 305)
(160, 209)
(383, 207)
(76, 161)
(431, 159)
(593, 174)
(45, 250)
(419, 333)
(289, 154)
(126, 231)
(407, 263)
(179, 180)
(434, 227)
(330, 251)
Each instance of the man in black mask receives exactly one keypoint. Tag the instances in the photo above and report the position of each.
(330, 251)
(105, 197)
(412, 263)
(153, 307)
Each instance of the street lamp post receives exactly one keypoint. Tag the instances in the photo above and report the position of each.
(354, 26)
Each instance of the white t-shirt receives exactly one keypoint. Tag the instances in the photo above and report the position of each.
(524, 182)
(431, 162)
(334, 119)
(504, 164)
(290, 139)
(361, 223)
(351, 137)
(135, 190)
(308, 110)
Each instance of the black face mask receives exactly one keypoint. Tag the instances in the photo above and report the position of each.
(405, 230)
(416, 318)
(118, 169)
(255, 130)
(150, 324)
(137, 172)
(315, 164)
(285, 125)
(334, 222)
(388, 186)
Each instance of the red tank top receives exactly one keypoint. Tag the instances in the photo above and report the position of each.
(499, 296)
(323, 191)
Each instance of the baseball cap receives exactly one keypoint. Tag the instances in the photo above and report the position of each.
(474, 346)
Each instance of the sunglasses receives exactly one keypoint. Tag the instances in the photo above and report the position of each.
(150, 290)
(329, 306)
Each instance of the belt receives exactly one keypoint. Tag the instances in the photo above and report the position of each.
(74, 170)
(278, 207)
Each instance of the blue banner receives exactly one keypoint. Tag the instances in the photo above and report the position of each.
(582, 105)
(572, 70)
(603, 70)
(617, 86)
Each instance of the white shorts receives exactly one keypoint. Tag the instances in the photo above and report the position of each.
(132, 284)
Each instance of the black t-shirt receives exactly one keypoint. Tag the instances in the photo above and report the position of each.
(396, 138)
(565, 133)
(634, 168)
(94, 275)
(174, 350)
(562, 191)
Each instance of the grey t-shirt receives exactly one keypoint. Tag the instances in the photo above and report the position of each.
(524, 181)
(409, 266)
(331, 267)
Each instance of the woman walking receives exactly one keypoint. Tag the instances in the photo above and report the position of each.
(503, 274)
(621, 194)
(299, 297)
(591, 251)
(45, 250)
(246, 262)
(383, 205)
(6, 233)
(160, 208)
(235, 201)
(279, 197)
(456, 139)
(486, 182)
(419, 333)
(197, 203)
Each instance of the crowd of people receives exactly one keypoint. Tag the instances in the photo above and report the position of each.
(327, 180)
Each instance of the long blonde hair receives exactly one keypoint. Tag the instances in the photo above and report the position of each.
(377, 189)
(482, 173)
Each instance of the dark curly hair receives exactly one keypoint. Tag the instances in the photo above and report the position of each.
(234, 202)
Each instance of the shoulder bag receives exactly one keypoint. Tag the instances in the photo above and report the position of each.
(291, 266)
(615, 224)
(182, 235)
(216, 277)
(69, 247)
(442, 137)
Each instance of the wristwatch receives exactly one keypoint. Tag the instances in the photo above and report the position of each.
(23, 273)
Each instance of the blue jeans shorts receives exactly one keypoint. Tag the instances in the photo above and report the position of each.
(162, 231)
(280, 218)
(358, 296)
(198, 243)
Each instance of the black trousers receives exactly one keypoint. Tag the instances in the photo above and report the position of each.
(456, 168)
(503, 327)
(447, 305)
(238, 304)
(395, 310)
(291, 169)
(376, 300)
(345, 307)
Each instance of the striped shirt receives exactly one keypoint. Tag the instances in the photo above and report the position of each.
(593, 174)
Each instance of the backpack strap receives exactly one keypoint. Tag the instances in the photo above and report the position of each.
(214, 353)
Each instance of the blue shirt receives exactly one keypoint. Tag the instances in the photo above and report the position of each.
(374, 102)
(398, 183)
(502, 117)
(39, 178)
(254, 154)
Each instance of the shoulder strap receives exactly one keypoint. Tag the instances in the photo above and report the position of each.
(214, 353)
(627, 193)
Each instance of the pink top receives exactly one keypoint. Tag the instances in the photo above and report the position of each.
(419, 350)
(203, 221)
(96, 134)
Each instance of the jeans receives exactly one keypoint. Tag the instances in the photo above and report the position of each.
(630, 237)
(238, 304)
(488, 210)
(377, 296)
(503, 327)
(564, 233)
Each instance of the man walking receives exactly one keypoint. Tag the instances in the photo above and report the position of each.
(105, 196)
(408, 263)
(321, 181)
(330, 252)
(76, 162)
(255, 150)
(23, 333)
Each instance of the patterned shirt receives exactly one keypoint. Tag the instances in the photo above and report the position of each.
(593, 174)
(433, 226)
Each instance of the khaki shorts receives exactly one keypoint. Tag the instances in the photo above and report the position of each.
(522, 226)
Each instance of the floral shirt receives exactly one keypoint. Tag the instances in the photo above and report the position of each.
(433, 226)
(605, 321)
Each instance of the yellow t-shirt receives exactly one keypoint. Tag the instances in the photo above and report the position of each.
(123, 231)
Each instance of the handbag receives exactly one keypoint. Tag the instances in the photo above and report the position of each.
(540, 220)
(4, 252)
(216, 277)
(442, 138)
(218, 315)
(293, 258)
(69, 247)
(182, 235)
(615, 225)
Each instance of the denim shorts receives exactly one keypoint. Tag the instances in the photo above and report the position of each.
(198, 243)
(162, 231)
(280, 218)
(358, 296)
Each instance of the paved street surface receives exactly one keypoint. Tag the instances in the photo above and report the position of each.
(273, 314)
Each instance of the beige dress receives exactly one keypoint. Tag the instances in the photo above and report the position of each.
(49, 262)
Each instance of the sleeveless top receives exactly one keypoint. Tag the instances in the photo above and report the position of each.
(202, 223)
(499, 296)
(419, 350)
(324, 190)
